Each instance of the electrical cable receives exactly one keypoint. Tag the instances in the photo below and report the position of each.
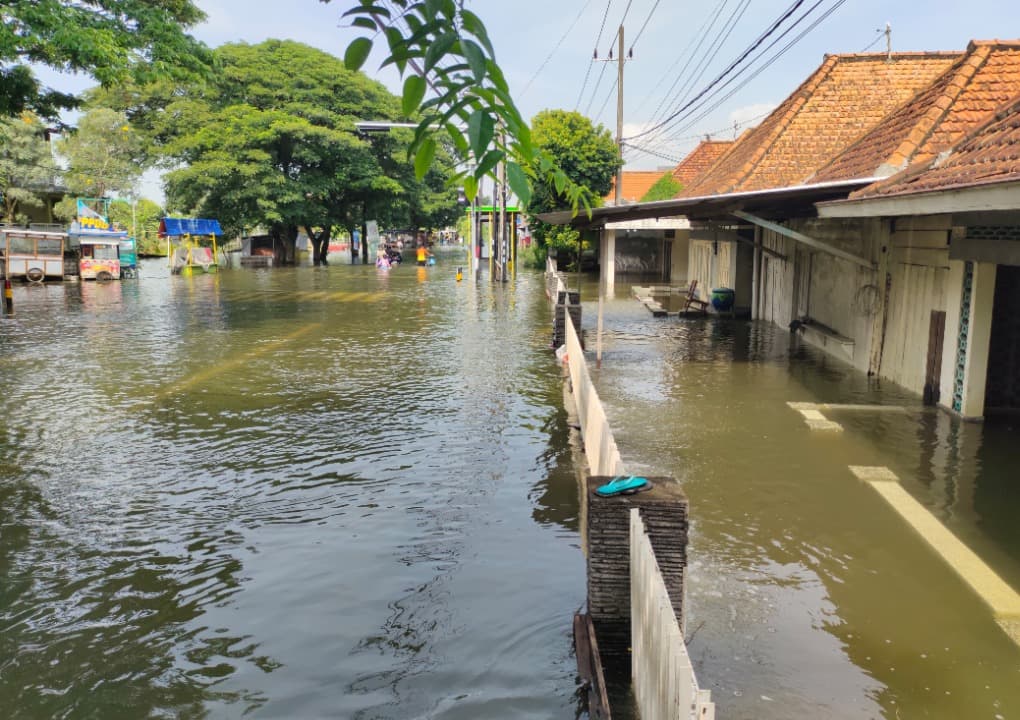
(645, 23)
(557, 47)
(761, 69)
(732, 66)
(591, 62)
(714, 49)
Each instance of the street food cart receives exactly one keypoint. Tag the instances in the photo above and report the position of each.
(31, 254)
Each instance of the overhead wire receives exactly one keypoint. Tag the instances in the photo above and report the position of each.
(702, 34)
(705, 112)
(713, 50)
(591, 62)
(563, 37)
(733, 66)
(645, 23)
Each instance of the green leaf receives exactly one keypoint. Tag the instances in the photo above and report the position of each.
(480, 130)
(414, 91)
(423, 158)
(357, 52)
(518, 181)
(488, 162)
(470, 187)
(438, 49)
(475, 57)
(473, 25)
(364, 22)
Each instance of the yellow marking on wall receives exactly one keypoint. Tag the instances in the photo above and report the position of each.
(996, 592)
(220, 368)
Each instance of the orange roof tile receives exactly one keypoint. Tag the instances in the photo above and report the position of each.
(635, 184)
(700, 159)
(978, 83)
(988, 154)
(843, 99)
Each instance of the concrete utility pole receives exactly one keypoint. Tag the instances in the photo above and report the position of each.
(619, 113)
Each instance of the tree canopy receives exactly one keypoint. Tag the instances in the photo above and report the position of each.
(271, 141)
(442, 49)
(587, 155)
(665, 188)
(113, 40)
(104, 154)
(26, 166)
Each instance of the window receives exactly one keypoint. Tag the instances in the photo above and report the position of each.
(21, 245)
(49, 246)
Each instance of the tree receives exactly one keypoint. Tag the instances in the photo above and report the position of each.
(104, 155)
(26, 165)
(113, 40)
(272, 142)
(441, 47)
(665, 188)
(141, 218)
(587, 155)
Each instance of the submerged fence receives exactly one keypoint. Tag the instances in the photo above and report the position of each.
(664, 682)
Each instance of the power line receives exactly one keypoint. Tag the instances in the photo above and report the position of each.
(653, 153)
(733, 65)
(557, 47)
(591, 62)
(761, 69)
(714, 48)
(645, 23)
(702, 34)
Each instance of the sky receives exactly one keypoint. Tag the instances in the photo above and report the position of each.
(545, 48)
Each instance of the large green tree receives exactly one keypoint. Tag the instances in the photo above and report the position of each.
(441, 47)
(272, 141)
(112, 40)
(26, 165)
(104, 155)
(585, 152)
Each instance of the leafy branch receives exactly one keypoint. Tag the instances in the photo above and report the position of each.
(440, 46)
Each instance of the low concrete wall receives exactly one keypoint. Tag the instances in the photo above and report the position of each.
(664, 681)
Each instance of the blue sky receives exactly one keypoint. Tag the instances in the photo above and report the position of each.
(559, 37)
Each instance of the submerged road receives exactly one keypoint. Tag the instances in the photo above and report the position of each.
(847, 560)
(288, 493)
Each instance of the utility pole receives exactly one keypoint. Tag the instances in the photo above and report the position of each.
(888, 42)
(619, 113)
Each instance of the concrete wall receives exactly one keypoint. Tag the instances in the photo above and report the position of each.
(680, 258)
(664, 683)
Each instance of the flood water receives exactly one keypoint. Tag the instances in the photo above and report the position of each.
(334, 492)
(287, 493)
(809, 596)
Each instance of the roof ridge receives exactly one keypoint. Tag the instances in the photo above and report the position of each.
(915, 170)
(963, 71)
(904, 54)
(799, 99)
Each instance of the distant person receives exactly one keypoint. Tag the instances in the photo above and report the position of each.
(422, 255)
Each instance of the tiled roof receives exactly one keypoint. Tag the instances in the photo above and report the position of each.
(988, 154)
(635, 184)
(987, 76)
(699, 160)
(847, 96)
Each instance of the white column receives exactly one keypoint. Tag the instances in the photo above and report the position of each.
(608, 261)
(966, 396)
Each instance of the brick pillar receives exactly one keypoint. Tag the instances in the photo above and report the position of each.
(664, 511)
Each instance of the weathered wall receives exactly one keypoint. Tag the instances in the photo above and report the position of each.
(680, 258)
(919, 268)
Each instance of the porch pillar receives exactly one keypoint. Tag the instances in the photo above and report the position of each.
(607, 258)
(969, 313)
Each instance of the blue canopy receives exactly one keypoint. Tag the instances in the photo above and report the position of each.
(175, 227)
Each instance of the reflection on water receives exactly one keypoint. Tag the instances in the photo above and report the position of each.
(809, 596)
(298, 492)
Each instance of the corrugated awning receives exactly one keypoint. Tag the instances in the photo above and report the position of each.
(779, 202)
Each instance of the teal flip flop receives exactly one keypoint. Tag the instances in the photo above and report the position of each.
(623, 486)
